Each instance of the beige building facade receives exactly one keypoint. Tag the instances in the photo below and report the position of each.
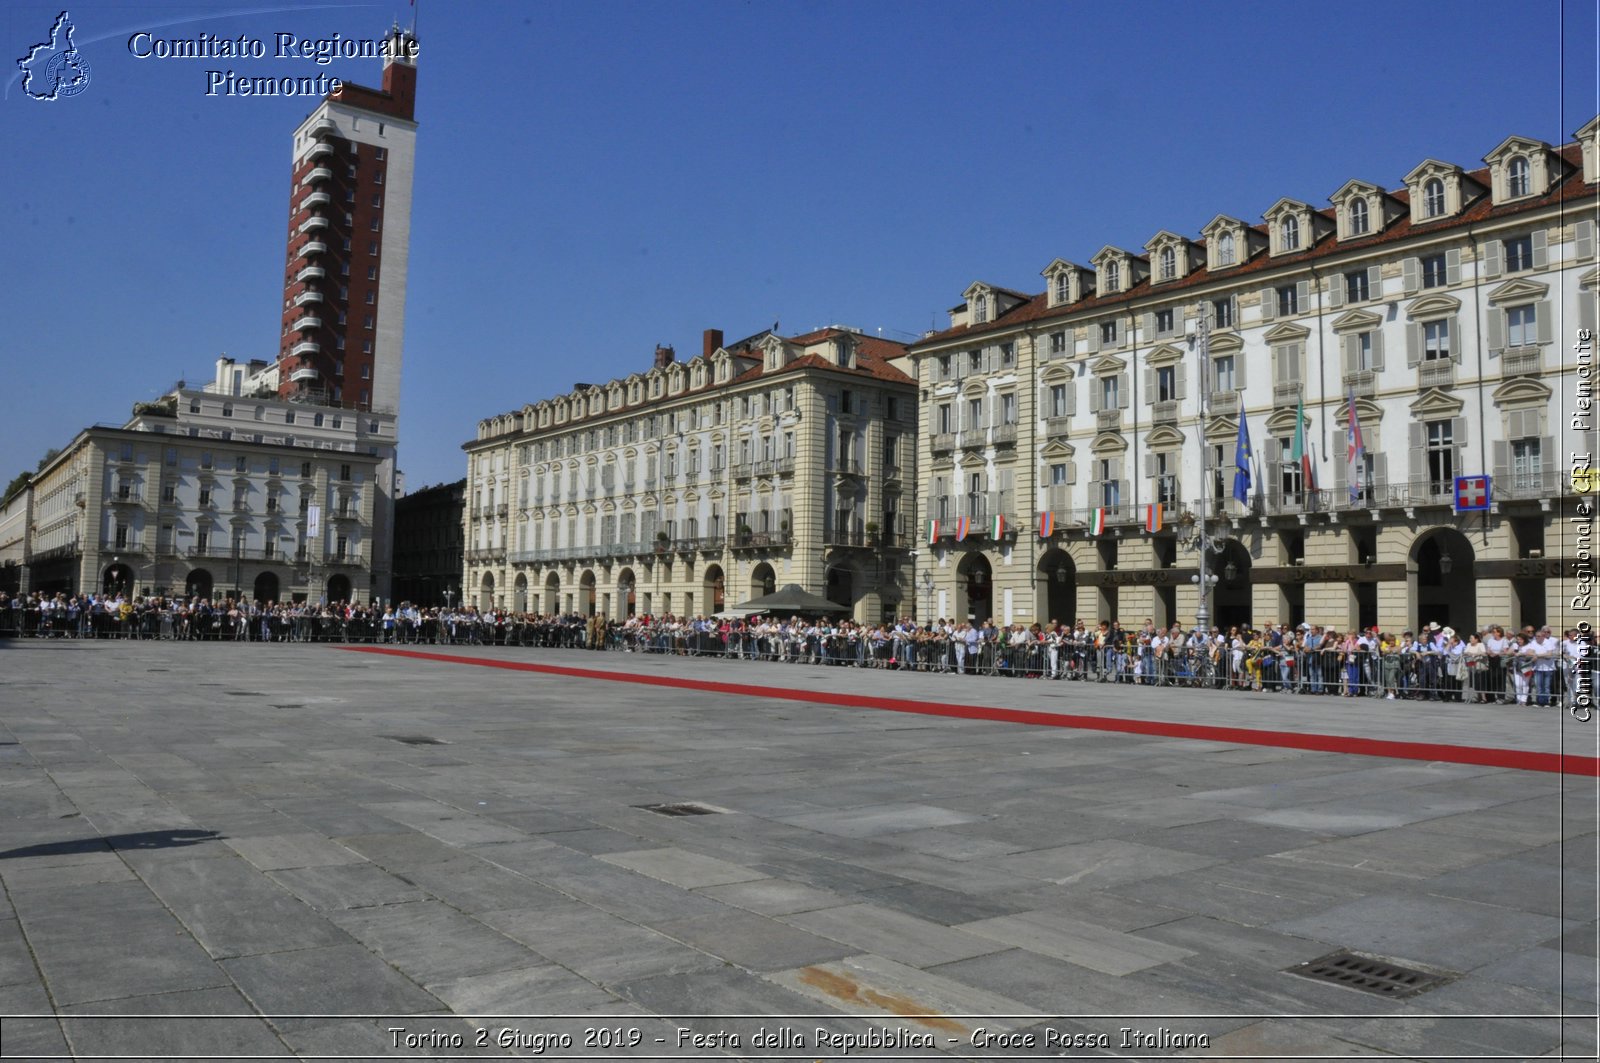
(208, 494)
(695, 486)
(1100, 419)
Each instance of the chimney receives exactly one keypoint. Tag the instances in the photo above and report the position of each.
(711, 341)
(665, 356)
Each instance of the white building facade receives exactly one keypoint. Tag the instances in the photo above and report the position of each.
(695, 486)
(1455, 312)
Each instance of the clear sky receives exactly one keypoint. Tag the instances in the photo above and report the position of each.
(596, 178)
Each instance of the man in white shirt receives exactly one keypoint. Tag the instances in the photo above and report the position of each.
(1546, 653)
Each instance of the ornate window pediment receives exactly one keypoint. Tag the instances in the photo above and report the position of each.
(1434, 404)
(1520, 392)
(1222, 430)
(1281, 423)
(1520, 290)
(1164, 355)
(1357, 321)
(1107, 366)
(1369, 413)
(1058, 448)
(1433, 306)
(1058, 374)
(1165, 437)
(1108, 443)
(1286, 333)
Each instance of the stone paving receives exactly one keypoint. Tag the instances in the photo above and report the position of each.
(228, 850)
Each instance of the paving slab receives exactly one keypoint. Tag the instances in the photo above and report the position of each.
(912, 860)
(125, 1027)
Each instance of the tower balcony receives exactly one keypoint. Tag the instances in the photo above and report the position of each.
(320, 173)
(307, 324)
(308, 296)
(304, 373)
(316, 221)
(324, 127)
(311, 247)
(311, 273)
(304, 347)
(321, 149)
(315, 199)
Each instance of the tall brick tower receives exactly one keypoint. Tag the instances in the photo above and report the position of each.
(344, 288)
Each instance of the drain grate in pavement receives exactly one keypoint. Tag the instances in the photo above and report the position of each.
(685, 809)
(416, 740)
(1369, 974)
(290, 705)
(245, 694)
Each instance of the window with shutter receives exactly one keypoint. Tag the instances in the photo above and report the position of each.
(1411, 276)
(1269, 304)
(1540, 249)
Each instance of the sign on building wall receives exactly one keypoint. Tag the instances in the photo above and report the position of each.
(313, 522)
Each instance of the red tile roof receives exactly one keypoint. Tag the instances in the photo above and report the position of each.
(1569, 187)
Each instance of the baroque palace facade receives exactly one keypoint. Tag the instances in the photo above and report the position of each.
(1095, 416)
(695, 486)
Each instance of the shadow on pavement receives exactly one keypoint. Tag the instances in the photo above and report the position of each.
(150, 839)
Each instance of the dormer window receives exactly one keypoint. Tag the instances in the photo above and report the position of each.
(1289, 233)
(1433, 198)
(980, 310)
(1063, 288)
(844, 350)
(1168, 264)
(1518, 177)
(1225, 250)
(1113, 276)
(1360, 220)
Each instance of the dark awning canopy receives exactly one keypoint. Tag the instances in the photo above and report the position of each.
(789, 599)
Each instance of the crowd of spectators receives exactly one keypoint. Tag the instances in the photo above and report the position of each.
(1496, 664)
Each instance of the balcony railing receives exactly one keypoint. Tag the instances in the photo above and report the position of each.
(1285, 394)
(1059, 425)
(743, 470)
(943, 442)
(306, 324)
(1108, 420)
(785, 466)
(847, 537)
(1224, 402)
(1439, 373)
(315, 199)
(1164, 412)
(316, 221)
(1005, 433)
(311, 247)
(847, 466)
(310, 273)
(1522, 361)
(766, 468)
(1363, 382)
(111, 546)
(760, 540)
(127, 495)
(307, 296)
(319, 149)
(319, 173)
(891, 473)
(973, 437)
(305, 372)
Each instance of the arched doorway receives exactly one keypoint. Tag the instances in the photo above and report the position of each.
(486, 592)
(519, 593)
(198, 585)
(552, 594)
(1440, 581)
(974, 589)
(267, 587)
(763, 580)
(841, 584)
(627, 591)
(1057, 587)
(339, 588)
(118, 579)
(586, 592)
(712, 588)
(1230, 599)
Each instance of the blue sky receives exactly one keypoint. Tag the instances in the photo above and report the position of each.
(597, 178)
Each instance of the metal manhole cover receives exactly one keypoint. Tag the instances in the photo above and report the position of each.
(684, 809)
(1370, 974)
(415, 740)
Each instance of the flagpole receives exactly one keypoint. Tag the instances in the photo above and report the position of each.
(1202, 612)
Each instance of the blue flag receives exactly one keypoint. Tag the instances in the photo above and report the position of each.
(1241, 463)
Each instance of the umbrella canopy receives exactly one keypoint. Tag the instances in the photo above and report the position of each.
(788, 599)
